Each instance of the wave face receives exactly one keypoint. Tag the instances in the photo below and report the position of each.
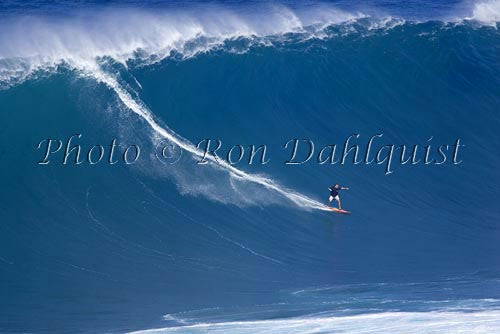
(248, 248)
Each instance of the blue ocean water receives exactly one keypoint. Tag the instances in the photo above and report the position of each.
(156, 246)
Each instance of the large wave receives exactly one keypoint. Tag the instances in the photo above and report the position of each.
(120, 240)
(84, 41)
(81, 43)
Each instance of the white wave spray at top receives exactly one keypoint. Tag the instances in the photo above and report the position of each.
(487, 12)
(29, 44)
(32, 43)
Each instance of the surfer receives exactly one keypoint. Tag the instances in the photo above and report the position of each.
(334, 194)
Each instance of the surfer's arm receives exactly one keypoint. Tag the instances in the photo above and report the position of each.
(344, 188)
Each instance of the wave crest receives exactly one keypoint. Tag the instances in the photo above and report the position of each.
(487, 12)
(28, 44)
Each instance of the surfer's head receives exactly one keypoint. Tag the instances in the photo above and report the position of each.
(336, 186)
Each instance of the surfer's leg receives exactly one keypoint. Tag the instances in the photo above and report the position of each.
(330, 199)
(337, 198)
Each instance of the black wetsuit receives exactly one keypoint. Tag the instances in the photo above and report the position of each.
(334, 191)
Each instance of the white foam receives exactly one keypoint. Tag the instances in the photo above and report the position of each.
(487, 12)
(483, 322)
(29, 44)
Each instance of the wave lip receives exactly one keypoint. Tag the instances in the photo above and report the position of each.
(29, 44)
(487, 12)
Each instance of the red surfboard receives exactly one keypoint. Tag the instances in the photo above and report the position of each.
(340, 211)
